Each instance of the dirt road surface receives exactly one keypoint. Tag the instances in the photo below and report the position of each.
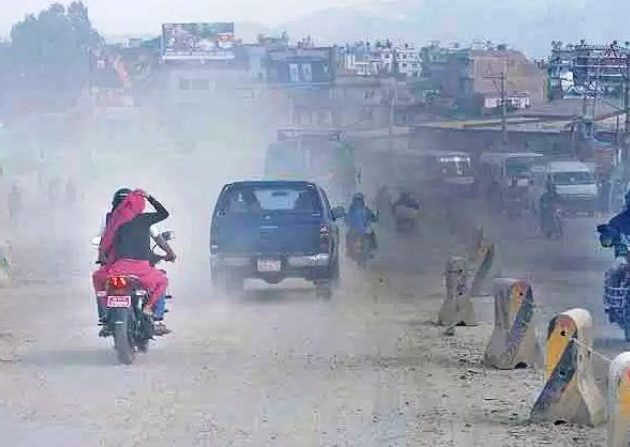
(278, 367)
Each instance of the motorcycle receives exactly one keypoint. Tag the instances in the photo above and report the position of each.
(359, 248)
(617, 280)
(552, 226)
(406, 219)
(123, 299)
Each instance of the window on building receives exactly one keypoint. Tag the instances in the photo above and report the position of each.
(200, 84)
(294, 73)
(307, 72)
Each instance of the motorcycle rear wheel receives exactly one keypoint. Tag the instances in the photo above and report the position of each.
(122, 343)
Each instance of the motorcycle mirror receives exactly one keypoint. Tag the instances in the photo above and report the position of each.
(96, 241)
(168, 235)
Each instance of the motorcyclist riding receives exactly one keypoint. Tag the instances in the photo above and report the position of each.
(548, 202)
(359, 220)
(125, 249)
(406, 211)
(406, 199)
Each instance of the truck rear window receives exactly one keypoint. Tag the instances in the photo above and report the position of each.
(260, 199)
(573, 178)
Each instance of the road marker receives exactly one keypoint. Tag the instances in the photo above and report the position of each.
(513, 342)
(570, 394)
(619, 401)
(457, 308)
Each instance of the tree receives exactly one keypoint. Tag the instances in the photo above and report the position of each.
(51, 50)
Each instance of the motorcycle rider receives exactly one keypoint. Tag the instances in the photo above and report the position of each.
(548, 202)
(406, 200)
(125, 249)
(359, 220)
(613, 235)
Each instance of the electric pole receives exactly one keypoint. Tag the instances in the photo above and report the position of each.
(503, 78)
(504, 111)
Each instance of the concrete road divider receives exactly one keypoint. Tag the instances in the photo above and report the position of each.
(570, 393)
(483, 267)
(513, 342)
(476, 241)
(619, 401)
(457, 308)
(5, 264)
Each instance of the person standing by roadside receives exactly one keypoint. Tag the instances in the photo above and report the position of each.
(14, 203)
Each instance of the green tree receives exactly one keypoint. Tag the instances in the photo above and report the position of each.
(51, 50)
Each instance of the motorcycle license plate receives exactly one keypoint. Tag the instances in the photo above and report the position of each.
(118, 301)
(268, 265)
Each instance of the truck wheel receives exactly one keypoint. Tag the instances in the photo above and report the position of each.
(323, 289)
(227, 282)
(335, 273)
(234, 284)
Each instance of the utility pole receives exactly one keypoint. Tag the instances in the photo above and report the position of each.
(503, 78)
(504, 110)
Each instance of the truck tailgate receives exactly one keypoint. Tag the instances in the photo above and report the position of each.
(268, 233)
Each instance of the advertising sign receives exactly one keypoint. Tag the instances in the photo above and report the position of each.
(198, 41)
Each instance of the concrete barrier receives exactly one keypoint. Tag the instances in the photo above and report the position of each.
(483, 267)
(619, 401)
(457, 308)
(513, 342)
(570, 393)
(5, 264)
(476, 241)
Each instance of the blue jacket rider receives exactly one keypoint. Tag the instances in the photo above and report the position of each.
(620, 225)
(360, 218)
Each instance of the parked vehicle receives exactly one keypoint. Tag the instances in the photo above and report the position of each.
(125, 298)
(496, 172)
(617, 280)
(273, 230)
(447, 172)
(574, 183)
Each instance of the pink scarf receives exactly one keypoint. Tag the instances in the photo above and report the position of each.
(128, 209)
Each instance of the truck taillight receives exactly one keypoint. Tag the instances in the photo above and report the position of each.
(324, 239)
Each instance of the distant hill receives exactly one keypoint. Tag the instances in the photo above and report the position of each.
(526, 25)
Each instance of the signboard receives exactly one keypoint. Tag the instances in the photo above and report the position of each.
(198, 41)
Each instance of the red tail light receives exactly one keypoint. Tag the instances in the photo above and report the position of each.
(324, 239)
(118, 282)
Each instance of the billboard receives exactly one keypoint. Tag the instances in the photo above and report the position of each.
(198, 41)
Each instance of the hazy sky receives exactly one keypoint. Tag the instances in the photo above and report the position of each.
(145, 16)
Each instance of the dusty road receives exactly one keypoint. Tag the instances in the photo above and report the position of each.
(279, 367)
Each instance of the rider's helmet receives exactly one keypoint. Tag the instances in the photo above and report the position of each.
(358, 199)
(119, 196)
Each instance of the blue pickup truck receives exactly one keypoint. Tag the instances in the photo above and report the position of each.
(273, 230)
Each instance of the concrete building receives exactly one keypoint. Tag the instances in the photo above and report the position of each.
(408, 60)
(471, 76)
(380, 59)
(587, 68)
